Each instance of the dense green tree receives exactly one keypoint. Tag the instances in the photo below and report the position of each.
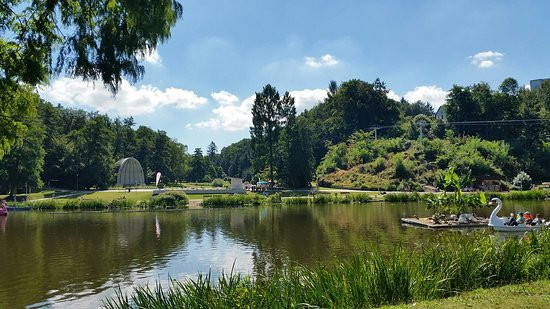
(236, 159)
(270, 113)
(89, 39)
(198, 166)
(416, 108)
(295, 168)
(91, 159)
(211, 151)
(125, 138)
(145, 151)
(21, 168)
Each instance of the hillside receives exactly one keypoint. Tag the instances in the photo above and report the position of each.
(400, 164)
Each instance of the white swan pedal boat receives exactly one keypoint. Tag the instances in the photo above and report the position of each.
(497, 223)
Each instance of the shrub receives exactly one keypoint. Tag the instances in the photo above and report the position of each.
(275, 198)
(523, 181)
(218, 183)
(170, 199)
(403, 168)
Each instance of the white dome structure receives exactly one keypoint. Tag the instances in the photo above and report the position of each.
(129, 172)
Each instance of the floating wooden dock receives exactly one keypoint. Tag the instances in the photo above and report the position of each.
(428, 223)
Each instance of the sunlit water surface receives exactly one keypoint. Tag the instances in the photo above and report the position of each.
(76, 260)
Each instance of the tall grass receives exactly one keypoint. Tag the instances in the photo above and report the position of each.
(239, 200)
(522, 195)
(169, 199)
(402, 197)
(369, 279)
(329, 199)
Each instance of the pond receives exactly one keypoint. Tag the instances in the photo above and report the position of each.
(78, 259)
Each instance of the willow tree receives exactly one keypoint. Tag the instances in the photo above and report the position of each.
(90, 39)
(270, 113)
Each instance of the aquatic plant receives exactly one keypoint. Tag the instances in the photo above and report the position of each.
(369, 279)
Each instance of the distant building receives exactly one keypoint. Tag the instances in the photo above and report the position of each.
(537, 83)
(129, 172)
(441, 113)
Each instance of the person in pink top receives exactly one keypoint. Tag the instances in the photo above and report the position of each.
(3, 209)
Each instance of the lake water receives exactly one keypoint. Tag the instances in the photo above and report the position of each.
(75, 260)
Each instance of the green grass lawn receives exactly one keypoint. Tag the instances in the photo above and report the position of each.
(526, 295)
(39, 195)
(109, 196)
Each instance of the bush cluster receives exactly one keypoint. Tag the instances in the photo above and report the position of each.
(170, 199)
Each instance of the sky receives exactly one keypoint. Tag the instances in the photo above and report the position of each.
(199, 85)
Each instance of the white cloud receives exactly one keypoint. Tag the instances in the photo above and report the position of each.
(230, 115)
(307, 98)
(392, 95)
(486, 59)
(151, 57)
(432, 94)
(225, 98)
(130, 100)
(233, 115)
(323, 61)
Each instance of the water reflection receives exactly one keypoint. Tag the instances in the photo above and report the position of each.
(78, 259)
(3, 222)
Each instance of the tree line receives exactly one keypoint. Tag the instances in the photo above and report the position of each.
(288, 148)
(71, 148)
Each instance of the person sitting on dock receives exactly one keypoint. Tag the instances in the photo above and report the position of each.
(537, 220)
(528, 218)
(521, 218)
(512, 221)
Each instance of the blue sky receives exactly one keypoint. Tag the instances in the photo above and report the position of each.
(198, 85)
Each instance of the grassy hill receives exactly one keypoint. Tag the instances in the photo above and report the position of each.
(400, 164)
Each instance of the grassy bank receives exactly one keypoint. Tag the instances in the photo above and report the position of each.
(512, 195)
(526, 295)
(329, 199)
(522, 195)
(37, 195)
(370, 279)
(114, 201)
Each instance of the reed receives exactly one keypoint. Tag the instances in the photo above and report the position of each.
(369, 279)
(297, 200)
(240, 200)
(402, 197)
(329, 199)
(522, 195)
